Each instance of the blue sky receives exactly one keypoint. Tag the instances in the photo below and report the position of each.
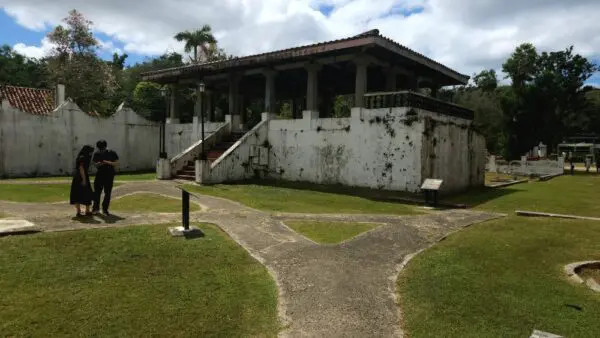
(395, 22)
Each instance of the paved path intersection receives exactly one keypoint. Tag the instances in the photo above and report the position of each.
(344, 290)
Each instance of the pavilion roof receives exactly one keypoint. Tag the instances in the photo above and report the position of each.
(368, 39)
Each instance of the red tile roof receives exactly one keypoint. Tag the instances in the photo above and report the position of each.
(31, 100)
(370, 38)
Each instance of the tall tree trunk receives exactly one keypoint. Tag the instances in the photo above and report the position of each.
(195, 54)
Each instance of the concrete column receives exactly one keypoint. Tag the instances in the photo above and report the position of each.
(312, 87)
(360, 81)
(234, 102)
(172, 108)
(435, 89)
(210, 111)
(390, 79)
(60, 94)
(270, 90)
(198, 105)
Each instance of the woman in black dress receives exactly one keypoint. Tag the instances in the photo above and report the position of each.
(81, 191)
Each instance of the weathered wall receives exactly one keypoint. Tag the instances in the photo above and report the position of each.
(47, 145)
(373, 148)
(182, 136)
(243, 158)
(452, 151)
(378, 148)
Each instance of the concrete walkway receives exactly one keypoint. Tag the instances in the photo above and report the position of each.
(345, 290)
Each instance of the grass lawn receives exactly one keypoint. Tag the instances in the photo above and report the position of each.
(145, 202)
(34, 193)
(504, 278)
(302, 198)
(578, 194)
(134, 281)
(330, 232)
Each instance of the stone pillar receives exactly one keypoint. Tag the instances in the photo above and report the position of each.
(202, 171)
(435, 89)
(390, 79)
(270, 75)
(312, 87)
(210, 111)
(361, 81)
(234, 104)
(172, 107)
(198, 106)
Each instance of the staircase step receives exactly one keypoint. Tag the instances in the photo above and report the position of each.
(186, 177)
(187, 172)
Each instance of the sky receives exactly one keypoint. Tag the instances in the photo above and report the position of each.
(466, 35)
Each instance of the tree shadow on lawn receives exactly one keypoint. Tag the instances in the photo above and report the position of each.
(476, 197)
(471, 198)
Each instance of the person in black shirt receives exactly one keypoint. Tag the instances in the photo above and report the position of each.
(106, 161)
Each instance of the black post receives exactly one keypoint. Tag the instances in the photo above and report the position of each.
(185, 209)
(203, 157)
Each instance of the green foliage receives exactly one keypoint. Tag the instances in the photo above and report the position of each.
(201, 42)
(18, 70)
(342, 106)
(89, 81)
(148, 102)
(486, 80)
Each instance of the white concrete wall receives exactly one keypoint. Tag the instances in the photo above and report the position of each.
(33, 145)
(182, 136)
(452, 151)
(240, 161)
(372, 148)
(378, 148)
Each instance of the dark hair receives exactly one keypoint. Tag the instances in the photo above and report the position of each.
(101, 144)
(85, 154)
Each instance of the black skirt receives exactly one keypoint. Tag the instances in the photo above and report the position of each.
(81, 194)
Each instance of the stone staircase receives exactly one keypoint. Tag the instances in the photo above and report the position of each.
(188, 172)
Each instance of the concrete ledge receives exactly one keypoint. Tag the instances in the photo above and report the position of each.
(17, 226)
(571, 271)
(545, 214)
(507, 184)
(549, 177)
(409, 200)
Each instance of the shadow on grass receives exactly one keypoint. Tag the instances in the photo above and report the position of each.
(476, 197)
(336, 189)
(110, 219)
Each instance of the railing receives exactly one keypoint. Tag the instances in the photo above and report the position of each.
(415, 100)
(191, 153)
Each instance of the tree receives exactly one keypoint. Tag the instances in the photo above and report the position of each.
(486, 80)
(521, 65)
(89, 81)
(148, 102)
(197, 41)
(18, 70)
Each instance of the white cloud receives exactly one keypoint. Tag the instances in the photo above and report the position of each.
(34, 51)
(467, 35)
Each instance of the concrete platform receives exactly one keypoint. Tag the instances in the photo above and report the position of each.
(17, 226)
(180, 231)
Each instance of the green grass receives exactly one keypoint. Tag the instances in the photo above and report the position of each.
(119, 177)
(136, 282)
(330, 232)
(577, 195)
(502, 279)
(34, 193)
(145, 202)
(302, 198)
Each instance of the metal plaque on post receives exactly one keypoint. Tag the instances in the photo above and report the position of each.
(432, 184)
(430, 187)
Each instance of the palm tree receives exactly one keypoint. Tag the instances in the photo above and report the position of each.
(199, 39)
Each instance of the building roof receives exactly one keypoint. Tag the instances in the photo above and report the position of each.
(368, 39)
(31, 100)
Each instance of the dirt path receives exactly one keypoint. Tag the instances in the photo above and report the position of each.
(345, 290)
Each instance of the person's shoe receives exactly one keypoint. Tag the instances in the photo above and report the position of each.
(89, 213)
(106, 213)
(78, 215)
